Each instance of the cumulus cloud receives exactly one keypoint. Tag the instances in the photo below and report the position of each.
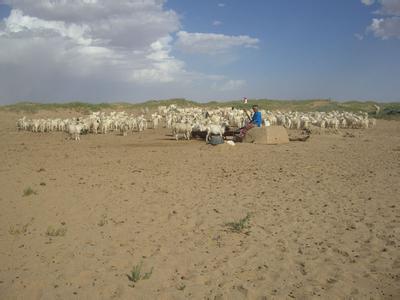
(212, 43)
(19, 23)
(216, 23)
(368, 2)
(89, 10)
(390, 7)
(358, 36)
(229, 85)
(385, 28)
(162, 67)
(127, 23)
(388, 26)
(387, 7)
(221, 4)
(50, 44)
(91, 49)
(129, 41)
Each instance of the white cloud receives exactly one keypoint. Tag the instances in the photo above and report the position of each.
(91, 49)
(221, 4)
(126, 23)
(88, 10)
(390, 7)
(212, 43)
(385, 28)
(17, 23)
(162, 66)
(388, 26)
(229, 85)
(216, 23)
(368, 2)
(358, 36)
(125, 31)
(90, 41)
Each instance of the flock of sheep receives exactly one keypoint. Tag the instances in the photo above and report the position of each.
(184, 121)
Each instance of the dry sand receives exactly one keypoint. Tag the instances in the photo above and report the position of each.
(324, 216)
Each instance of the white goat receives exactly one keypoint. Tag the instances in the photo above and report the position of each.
(75, 131)
(214, 129)
(182, 129)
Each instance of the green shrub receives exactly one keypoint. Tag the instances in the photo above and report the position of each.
(51, 231)
(136, 273)
(239, 225)
(29, 191)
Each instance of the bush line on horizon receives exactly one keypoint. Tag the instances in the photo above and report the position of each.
(285, 105)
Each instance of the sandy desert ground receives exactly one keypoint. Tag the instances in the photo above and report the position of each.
(324, 216)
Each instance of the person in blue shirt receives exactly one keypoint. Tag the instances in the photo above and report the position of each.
(255, 120)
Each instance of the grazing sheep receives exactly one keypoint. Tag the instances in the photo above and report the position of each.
(94, 126)
(214, 129)
(141, 123)
(182, 129)
(183, 121)
(75, 130)
(372, 123)
(124, 128)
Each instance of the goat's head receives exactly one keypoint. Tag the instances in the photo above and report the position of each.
(225, 124)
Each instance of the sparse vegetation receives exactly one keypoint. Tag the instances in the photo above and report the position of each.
(18, 229)
(103, 220)
(136, 273)
(51, 231)
(181, 287)
(32, 107)
(29, 191)
(239, 225)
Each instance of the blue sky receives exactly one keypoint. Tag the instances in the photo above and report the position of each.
(200, 50)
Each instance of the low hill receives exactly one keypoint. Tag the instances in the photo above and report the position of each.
(282, 105)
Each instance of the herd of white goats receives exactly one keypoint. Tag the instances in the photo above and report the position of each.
(184, 121)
